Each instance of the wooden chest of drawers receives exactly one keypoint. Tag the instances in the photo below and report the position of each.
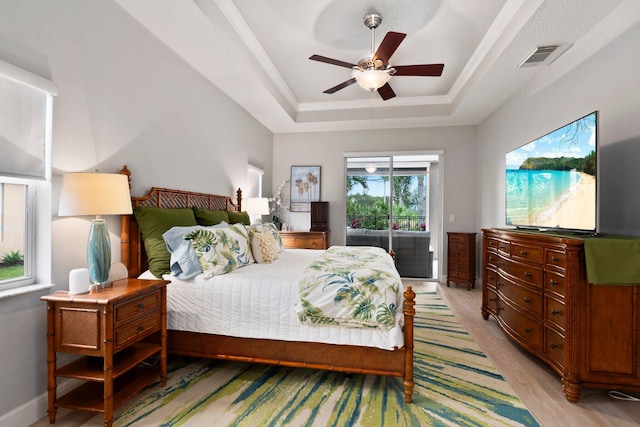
(535, 286)
(305, 239)
(461, 259)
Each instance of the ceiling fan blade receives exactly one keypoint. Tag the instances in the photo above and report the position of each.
(386, 92)
(331, 61)
(419, 70)
(388, 46)
(341, 86)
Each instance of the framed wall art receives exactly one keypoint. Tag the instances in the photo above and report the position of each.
(305, 187)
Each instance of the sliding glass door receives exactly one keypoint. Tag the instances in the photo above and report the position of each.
(389, 205)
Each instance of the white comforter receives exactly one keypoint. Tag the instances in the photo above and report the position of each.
(258, 301)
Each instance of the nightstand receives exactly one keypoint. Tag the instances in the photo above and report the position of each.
(115, 329)
(305, 239)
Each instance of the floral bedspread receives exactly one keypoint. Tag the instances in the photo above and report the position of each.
(350, 285)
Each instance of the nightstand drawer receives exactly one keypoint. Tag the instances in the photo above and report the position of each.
(130, 310)
(135, 332)
(305, 240)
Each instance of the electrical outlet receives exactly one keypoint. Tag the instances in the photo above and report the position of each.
(452, 218)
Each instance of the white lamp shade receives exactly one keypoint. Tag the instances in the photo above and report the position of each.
(257, 206)
(371, 79)
(94, 194)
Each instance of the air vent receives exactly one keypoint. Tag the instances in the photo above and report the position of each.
(543, 55)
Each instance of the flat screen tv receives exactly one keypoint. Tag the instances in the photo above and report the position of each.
(551, 182)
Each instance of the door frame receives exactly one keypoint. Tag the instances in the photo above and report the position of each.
(439, 235)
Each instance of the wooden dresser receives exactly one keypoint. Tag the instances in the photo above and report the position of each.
(535, 286)
(116, 329)
(461, 259)
(305, 239)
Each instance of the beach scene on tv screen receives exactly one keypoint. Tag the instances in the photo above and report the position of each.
(551, 182)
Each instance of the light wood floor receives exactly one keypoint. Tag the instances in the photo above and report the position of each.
(536, 384)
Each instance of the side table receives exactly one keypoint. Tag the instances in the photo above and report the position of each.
(115, 329)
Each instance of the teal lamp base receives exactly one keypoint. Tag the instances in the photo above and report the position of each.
(99, 254)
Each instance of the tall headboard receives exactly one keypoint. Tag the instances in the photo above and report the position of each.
(131, 246)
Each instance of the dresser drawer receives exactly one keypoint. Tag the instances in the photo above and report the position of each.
(520, 296)
(458, 239)
(527, 273)
(458, 254)
(554, 283)
(554, 311)
(492, 259)
(492, 244)
(136, 331)
(524, 327)
(557, 259)
(554, 346)
(492, 301)
(135, 308)
(504, 248)
(527, 253)
(492, 277)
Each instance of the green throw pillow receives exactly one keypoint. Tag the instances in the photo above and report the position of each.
(239, 217)
(153, 223)
(208, 217)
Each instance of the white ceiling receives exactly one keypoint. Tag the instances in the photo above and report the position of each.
(256, 51)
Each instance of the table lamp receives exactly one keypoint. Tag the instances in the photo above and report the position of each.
(96, 194)
(257, 206)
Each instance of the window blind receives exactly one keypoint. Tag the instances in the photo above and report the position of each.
(23, 120)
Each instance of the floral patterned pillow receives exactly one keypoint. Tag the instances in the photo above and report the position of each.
(221, 250)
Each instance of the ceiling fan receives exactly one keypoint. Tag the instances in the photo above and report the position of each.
(373, 72)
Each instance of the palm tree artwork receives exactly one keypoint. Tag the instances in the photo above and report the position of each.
(305, 188)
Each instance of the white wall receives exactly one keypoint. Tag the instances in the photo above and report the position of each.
(327, 150)
(608, 82)
(124, 98)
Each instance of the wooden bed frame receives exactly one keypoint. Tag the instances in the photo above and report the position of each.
(341, 358)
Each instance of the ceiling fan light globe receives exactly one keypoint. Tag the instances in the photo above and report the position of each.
(371, 79)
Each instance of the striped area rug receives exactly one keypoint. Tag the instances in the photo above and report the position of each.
(455, 385)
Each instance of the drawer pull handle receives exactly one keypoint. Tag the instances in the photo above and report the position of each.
(141, 305)
(527, 274)
(554, 312)
(554, 346)
(555, 259)
(493, 299)
(523, 252)
(553, 283)
(527, 300)
(140, 328)
(527, 330)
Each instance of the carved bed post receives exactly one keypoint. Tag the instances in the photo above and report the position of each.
(409, 311)
(125, 230)
(239, 199)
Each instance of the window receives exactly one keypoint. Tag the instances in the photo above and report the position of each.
(254, 182)
(16, 252)
(25, 166)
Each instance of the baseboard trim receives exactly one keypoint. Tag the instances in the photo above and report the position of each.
(33, 410)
